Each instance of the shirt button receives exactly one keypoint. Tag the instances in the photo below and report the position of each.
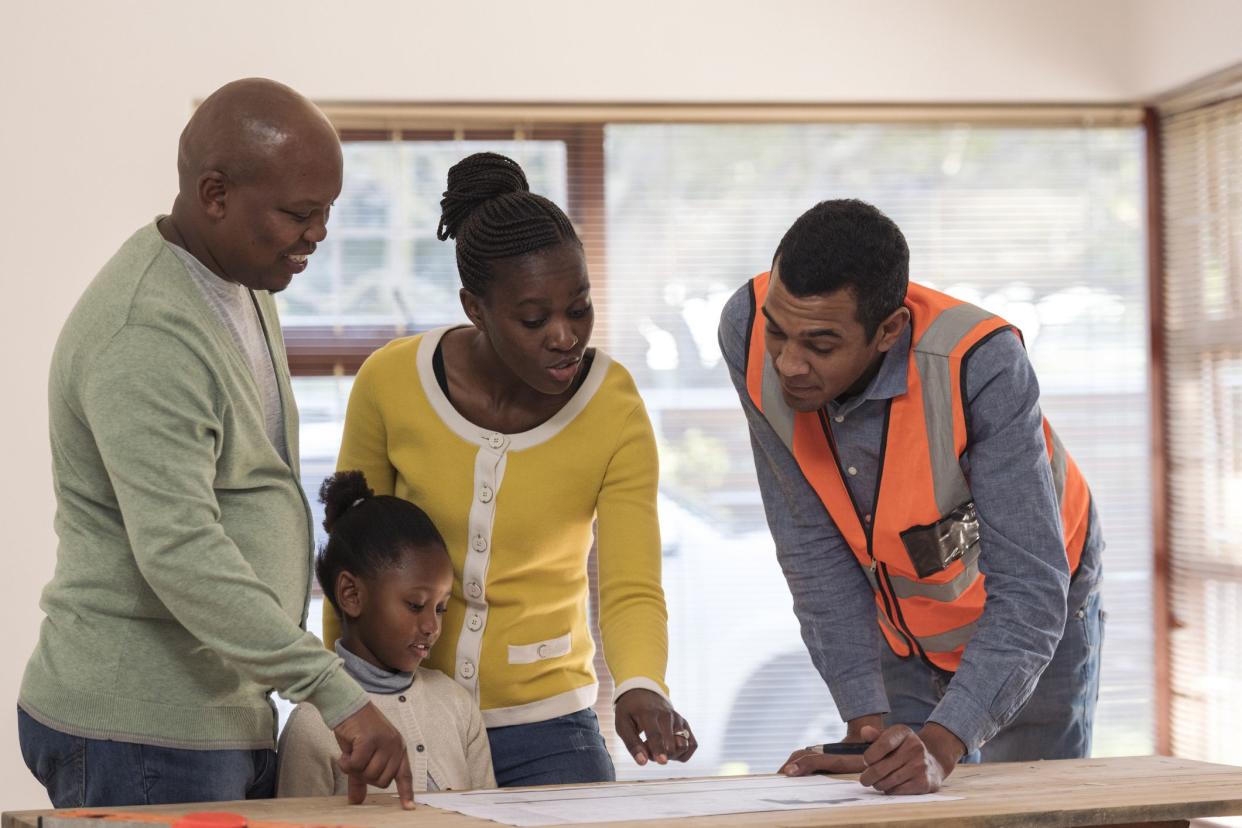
(867, 518)
(485, 493)
(840, 418)
(400, 698)
(474, 590)
(420, 748)
(475, 622)
(479, 543)
(496, 441)
(467, 669)
(852, 470)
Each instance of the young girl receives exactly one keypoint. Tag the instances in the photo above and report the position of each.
(386, 572)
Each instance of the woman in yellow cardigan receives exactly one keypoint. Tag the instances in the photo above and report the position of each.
(515, 437)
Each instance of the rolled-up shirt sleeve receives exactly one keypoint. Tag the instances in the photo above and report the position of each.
(832, 600)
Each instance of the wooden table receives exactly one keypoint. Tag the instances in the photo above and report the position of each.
(1147, 790)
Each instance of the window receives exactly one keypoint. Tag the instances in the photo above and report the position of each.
(1042, 224)
(1202, 333)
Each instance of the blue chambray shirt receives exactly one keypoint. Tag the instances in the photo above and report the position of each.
(1022, 553)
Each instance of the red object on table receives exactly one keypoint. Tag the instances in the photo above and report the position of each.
(211, 819)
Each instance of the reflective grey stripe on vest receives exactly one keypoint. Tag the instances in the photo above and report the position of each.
(949, 591)
(947, 642)
(775, 410)
(931, 356)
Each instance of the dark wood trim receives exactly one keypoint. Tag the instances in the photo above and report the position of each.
(587, 208)
(365, 135)
(584, 157)
(1161, 569)
(325, 350)
(429, 135)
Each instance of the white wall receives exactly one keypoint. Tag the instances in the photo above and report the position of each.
(94, 95)
(1177, 43)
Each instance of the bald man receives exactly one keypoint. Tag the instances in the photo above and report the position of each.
(184, 562)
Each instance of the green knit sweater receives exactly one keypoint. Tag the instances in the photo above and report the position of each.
(184, 563)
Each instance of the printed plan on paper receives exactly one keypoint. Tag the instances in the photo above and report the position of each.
(661, 800)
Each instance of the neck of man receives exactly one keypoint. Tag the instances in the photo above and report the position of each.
(860, 385)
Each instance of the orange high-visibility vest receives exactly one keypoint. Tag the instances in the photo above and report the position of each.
(921, 485)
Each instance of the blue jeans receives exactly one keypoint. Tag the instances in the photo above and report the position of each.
(93, 773)
(560, 751)
(1055, 722)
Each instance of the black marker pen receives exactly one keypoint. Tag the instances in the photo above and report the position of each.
(841, 748)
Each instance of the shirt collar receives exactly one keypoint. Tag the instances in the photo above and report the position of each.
(373, 679)
(889, 382)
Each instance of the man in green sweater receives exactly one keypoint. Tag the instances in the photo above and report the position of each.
(183, 569)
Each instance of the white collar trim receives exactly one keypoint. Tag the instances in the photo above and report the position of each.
(483, 437)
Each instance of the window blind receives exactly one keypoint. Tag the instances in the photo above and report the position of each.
(1202, 297)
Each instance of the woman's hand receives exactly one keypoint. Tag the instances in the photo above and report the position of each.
(652, 729)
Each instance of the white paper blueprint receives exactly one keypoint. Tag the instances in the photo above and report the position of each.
(665, 799)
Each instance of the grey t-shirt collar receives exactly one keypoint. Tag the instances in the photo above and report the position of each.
(373, 679)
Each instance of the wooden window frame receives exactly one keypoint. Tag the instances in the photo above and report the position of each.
(1161, 614)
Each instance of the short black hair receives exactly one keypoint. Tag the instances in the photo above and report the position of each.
(846, 243)
(368, 534)
(491, 212)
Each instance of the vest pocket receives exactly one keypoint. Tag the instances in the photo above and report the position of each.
(933, 547)
(540, 650)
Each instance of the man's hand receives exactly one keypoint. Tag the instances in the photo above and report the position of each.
(652, 729)
(373, 752)
(904, 762)
(899, 760)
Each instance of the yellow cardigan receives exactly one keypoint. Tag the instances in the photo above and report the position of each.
(516, 511)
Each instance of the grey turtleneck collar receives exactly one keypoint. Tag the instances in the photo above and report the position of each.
(373, 679)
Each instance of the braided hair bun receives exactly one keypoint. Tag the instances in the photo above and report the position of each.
(490, 211)
(472, 181)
